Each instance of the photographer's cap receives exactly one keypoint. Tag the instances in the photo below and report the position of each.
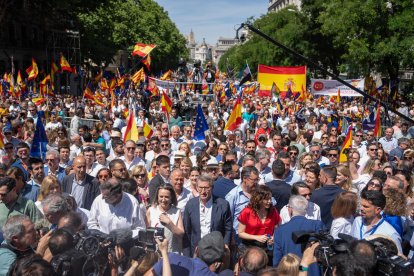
(211, 248)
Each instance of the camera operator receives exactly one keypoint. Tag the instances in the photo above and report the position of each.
(182, 73)
(196, 76)
(371, 221)
(208, 258)
(210, 76)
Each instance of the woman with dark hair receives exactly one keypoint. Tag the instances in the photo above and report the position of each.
(194, 174)
(312, 177)
(258, 220)
(164, 213)
(202, 159)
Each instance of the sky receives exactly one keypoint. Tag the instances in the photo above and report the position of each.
(211, 19)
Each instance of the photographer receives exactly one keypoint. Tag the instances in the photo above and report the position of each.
(196, 76)
(210, 76)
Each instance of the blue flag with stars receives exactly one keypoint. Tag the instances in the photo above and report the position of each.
(201, 125)
(40, 141)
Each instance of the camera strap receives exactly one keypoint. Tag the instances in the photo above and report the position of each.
(372, 231)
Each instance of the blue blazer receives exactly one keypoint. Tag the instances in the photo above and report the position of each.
(60, 173)
(220, 221)
(222, 186)
(283, 243)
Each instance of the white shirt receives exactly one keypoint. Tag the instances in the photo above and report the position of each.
(175, 143)
(52, 125)
(312, 212)
(183, 198)
(382, 228)
(341, 225)
(205, 217)
(135, 162)
(126, 214)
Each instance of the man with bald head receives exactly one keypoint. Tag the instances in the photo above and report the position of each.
(183, 194)
(83, 187)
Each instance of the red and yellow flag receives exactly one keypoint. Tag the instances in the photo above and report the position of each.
(131, 131)
(285, 77)
(235, 118)
(64, 64)
(1, 141)
(166, 104)
(32, 71)
(147, 130)
(166, 75)
(346, 145)
(141, 49)
(138, 76)
(39, 100)
(377, 128)
(147, 62)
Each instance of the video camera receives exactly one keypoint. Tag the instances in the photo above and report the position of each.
(146, 242)
(387, 263)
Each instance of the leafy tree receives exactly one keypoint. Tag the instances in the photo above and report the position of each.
(121, 24)
(376, 34)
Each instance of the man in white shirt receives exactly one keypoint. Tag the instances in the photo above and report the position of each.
(53, 123)
(114, 209)
(322, 130)
(183, 194)
(388, 142)
(317, 155)
(175, 139)
(129, 157)
(371, 221)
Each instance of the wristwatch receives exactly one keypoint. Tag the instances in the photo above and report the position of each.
(303, 268)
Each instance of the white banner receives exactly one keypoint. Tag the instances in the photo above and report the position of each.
(330, 87)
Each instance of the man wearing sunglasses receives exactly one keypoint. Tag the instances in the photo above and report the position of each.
(9, 138)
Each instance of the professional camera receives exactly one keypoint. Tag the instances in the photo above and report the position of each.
(387, 262)
(146, 242)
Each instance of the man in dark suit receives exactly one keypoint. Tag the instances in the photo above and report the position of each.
(83, 187)
(326, 195)
(205, 214)
(224, 184)
(283, 243)
(164, 170)
(280, 189)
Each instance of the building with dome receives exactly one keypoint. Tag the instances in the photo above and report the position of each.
(202, 52)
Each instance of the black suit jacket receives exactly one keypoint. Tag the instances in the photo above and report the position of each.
(91, 189)
(220, 221)
(281, 192)
(153, 185)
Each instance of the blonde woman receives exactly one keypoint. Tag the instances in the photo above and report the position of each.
(289, 265)
(50, 185)
(185, 166)
(140, 175)
(344, 178)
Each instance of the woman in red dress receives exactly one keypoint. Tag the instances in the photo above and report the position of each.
(257, 222)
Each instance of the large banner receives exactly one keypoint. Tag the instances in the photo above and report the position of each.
(285, 77)
(330, 87)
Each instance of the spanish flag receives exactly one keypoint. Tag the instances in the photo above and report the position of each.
(131, 132)
(32, 71)
(166, 104)
(147, 62)
(39, 100)
(64, 64)
(285, 77)
(167, 75)
(141, 49)
(377, 128)
(235, 118)
(147, 130)
(275, 91)
(346, 145)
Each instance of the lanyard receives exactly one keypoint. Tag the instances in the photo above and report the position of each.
(372, 231)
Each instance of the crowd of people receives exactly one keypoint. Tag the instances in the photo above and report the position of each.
(227, 204)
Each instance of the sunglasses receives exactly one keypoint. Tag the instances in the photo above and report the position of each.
(332, 155)
(10, 148)
(165, 145)
(358, 135)
(376, 185)
(131, 148)
(373, 149)
(103, 176)
(262, 139)
(293, 153)
(141, 175)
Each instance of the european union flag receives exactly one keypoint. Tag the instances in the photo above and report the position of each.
(38, 149)
(201, 125)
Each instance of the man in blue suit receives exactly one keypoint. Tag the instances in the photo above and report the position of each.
(205, 214)
(283, 243)
(53, 168)
(224, 184)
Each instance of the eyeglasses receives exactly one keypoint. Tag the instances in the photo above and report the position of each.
(332, 155)
(8, 148)
(131, 148)
(324, 137)
(374, 184)
(165, 145)
(154, 143)
(103, 176)
(141, 175)
(368, 134)
(204, 160)
(358, 135)
(262, 139)
(293, 153)
(373, 149)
